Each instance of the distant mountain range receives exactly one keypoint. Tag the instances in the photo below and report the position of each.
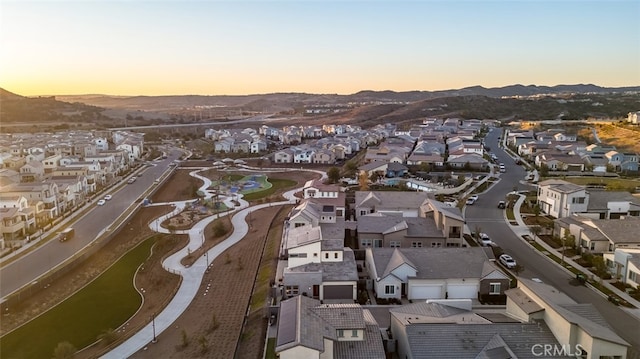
(365, 107)
(279, 101)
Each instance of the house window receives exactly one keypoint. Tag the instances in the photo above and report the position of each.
(394, 244)
(592, 245)
(454, 232)
(494, 288)
(291, 290)
(435, 244)
(297, 255)
(416, 244)
(326, 256)
(389, 289)
(579, 200)
(366, 242)
(315, 255)
(335, 255)
(362, 212)
(354, 333)
(633, 276)
(298, 225)
(340, 333)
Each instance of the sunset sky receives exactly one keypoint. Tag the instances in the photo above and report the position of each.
(241, 47)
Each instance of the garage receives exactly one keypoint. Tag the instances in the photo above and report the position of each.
(338, 292)
(462, 291)
(426, 291)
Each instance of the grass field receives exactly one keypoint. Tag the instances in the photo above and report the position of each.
(277, 184)
(77, 320)
(624, 139)
(617, 184)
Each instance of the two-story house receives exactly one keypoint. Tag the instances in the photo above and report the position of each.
(574, 325)
(318, 267)
(560, 198)
(309, 329)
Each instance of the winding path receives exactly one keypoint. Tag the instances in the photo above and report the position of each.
(192, 276)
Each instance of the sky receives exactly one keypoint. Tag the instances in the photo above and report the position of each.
(254, 47)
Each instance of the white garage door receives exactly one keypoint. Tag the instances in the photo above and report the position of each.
(425, 292)
(462, 291)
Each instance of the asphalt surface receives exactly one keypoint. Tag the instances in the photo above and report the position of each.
(485, 216)
(26, 269)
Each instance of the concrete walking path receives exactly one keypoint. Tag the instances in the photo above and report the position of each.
(192, 276)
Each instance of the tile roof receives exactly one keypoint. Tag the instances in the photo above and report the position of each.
(370, 348)
(599, 199)
(435, 263)
(472, 341)
(346, 270)
(620, 230)
(304, 321)
(384, 199)
(586, 316)
(418, 227)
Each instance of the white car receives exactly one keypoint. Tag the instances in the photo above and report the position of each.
(472, 199)
(101, 202)
(507, 261)
(485, 240)
(107, 197)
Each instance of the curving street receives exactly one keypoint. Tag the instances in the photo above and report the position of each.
(486, 216)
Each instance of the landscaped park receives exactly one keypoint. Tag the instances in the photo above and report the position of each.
(122, 287)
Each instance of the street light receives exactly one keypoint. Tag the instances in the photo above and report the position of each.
(153, 325)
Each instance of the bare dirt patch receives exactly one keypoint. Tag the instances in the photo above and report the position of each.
(180, 187)
(211, 325)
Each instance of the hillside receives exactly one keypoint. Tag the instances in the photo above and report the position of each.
(365, 108)
(15, 108)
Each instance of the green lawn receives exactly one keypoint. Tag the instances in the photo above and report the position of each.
(105, 303)
(277, 184)
(271, 349)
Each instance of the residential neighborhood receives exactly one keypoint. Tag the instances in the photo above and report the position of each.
(385, 256)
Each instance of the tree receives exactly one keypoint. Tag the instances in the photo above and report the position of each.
(334, 174)
(363, 181)
(425, 167)
(461, 180)
(535, 230)
(544, 170)
(64, 350)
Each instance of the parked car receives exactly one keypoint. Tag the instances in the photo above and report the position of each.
(472, 199)
(107, 197)
(501, 205)
(131, 180)
(507, 261)
(485, 240)
(102, 202)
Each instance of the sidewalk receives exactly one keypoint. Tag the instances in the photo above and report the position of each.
(522, 229)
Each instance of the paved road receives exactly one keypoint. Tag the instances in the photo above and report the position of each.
(39, 261)
(485, 215)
